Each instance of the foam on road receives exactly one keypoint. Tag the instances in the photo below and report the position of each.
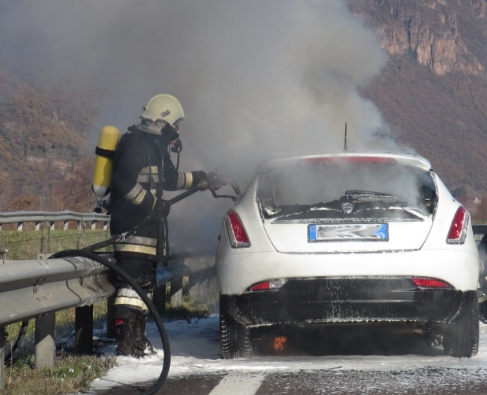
(195, 350)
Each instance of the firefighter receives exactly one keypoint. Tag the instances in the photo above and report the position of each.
(142, 169)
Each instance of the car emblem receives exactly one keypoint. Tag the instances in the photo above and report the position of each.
(347, 207)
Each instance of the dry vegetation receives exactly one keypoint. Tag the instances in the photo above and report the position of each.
(441, 120)
(42, 137)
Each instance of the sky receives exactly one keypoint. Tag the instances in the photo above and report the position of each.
(257, 80)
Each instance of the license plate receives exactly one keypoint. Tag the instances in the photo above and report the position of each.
(348, 232)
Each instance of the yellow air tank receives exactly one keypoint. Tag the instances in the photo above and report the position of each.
(102, 176)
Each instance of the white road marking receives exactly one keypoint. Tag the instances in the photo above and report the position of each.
(239, 384)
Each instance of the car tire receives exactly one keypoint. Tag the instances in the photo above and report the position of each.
(461, 338)
(245, 347)
(235, 338)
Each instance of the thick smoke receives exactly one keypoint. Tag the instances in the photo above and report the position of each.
(257, 79)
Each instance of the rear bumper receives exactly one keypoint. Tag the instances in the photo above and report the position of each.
(327, 300)
(240, 269)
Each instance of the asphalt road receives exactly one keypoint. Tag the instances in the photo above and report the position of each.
(367, 361)
(422, 381)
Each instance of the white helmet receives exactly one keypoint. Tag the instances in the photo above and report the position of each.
(164, 107)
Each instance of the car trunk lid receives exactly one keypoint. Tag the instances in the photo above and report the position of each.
(347, 204)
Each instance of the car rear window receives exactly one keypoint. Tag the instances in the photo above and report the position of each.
(347, 190)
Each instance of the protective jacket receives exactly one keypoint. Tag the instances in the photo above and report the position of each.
(142, 170)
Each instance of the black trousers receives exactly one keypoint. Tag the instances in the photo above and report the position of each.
(143, 271)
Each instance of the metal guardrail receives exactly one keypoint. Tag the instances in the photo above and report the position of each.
(39, 288)
(38, 217)
(45, 222)
(32, 288)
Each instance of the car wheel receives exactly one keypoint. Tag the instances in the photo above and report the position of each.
(461, 338)
(235, 338)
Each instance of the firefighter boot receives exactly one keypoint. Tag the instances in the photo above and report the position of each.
(140, 339)
(126, 338)
(148, 344)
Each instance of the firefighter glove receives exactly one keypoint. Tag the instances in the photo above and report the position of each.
(197, 177)
(217, 180)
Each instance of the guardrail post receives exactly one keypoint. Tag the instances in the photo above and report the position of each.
(44, 338)
(159, 299)
(202, 281)
(19, 226)
(176, 293)
(198, 284)
(83, 327)
(66, 225)
(3, 249)
(2, 358)
(110, 329)
(78, 234)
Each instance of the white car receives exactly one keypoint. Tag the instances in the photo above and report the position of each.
(348, 238)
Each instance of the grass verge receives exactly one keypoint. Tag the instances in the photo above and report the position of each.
(188, 310)
(68, 376)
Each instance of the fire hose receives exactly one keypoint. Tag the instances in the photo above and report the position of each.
(214, 182)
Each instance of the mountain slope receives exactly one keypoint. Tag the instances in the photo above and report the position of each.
(42, 131)
(433, 91)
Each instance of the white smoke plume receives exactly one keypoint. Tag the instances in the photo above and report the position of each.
(257, 79)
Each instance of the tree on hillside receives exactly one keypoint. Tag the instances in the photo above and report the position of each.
(5, 191)
(24, 203)
(74, 191)
(42, 129)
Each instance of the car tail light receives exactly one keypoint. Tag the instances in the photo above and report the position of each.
(267, 285)
(459, 227)
(236, 231)
(261, 286)
(429, 283)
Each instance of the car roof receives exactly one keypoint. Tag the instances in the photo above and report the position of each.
(404, 159)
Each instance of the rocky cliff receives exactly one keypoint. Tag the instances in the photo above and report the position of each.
(427, 30)
(433, 91)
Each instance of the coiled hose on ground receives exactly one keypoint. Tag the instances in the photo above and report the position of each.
(152, 309)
